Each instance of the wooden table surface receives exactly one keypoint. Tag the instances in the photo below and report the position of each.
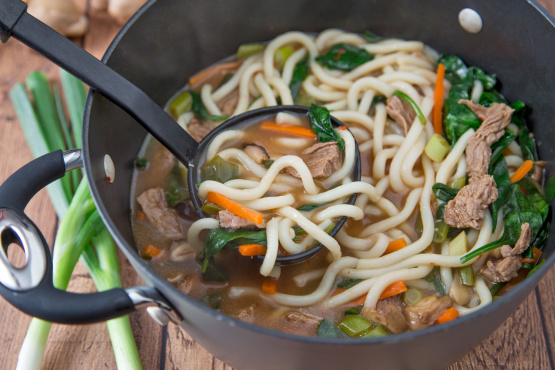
(526, 340)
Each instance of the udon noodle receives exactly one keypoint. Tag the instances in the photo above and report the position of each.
(397, 201)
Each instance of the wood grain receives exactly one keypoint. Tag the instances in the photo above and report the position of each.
(524, 341)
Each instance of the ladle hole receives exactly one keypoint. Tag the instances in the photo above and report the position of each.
(13, 249)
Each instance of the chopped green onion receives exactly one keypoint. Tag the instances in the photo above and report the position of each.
(376, 332)
(458, 183)
(218, 169)
(535, 268)
(246, 50)
(440, 233)
(141, 163)
(211, 209)
(352, 311)
(354, 325)
(181, 104)
(495, 288)
(349, 283)
(281, 56)
(310, 207)
(267, 163)
(412, 296)
(435, 278)
(437, 148)
(467, 275)
(330, 228)
(414, 106)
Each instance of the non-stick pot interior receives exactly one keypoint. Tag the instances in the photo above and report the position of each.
(160, 49)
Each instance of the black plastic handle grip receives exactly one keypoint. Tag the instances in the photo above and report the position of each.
(16, 22)
(42, 300)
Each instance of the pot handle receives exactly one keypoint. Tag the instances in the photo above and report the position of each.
(30, 287)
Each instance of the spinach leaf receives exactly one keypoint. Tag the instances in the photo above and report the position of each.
(444, 192)
(176, 186)
(218, 169)
(299, 75)
(200, 110)
(549, 189)
(321, 124)
(527, 145)
(326, 329)
(344, 57)
(488, 98)
(219, 239)
(500, 173)
(413, 104)
(458, 118)
(352, 311)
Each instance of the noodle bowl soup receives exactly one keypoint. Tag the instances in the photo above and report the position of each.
(450, 207)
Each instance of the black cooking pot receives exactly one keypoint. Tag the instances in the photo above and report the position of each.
(168, 41)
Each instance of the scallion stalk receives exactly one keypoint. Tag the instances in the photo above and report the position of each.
(413, 104)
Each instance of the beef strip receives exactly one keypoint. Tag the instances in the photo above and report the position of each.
(228, 103)
(467, 209)
(322, 159)
(537, 171)
(198, 129)
(401, 112)
(230, 220)
(478, 152)
(301, 323)
(388, 313)
(427, 311)
(507, 268)
(503, 270)
(256, 152)
(160, 215)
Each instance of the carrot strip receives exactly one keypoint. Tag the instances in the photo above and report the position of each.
(209, 72)
(151, 250)
(141, 215)
(449, 315)
(395, 245)
(250, 250)
(269, 287)
(236, 208)
(438, 99)
(522, 171)
(527, 260)
(295, 130)
(394, 289)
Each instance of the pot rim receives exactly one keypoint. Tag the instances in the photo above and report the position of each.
(139, 264)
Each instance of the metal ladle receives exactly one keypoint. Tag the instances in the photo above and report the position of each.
(16, 22)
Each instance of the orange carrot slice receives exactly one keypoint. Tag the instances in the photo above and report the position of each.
(396, 245)
(236, 208)
(294, 130)
(269, 287)
(250, 250)
(394, 289)
(151, 250)
(449, 315)
(522, 171)
(438, 99)
(209, 72)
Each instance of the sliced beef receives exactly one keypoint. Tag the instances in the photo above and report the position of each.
(494, 120)
(537, 171)
(160, 215)
(401, 112)
(388, 313)
(467, 209)
(301, 323)
(427, 311)
(507, 268)
(198, 129)
(322, 159)
(256, 152)
(230, 220)
(522, 243)
(228, 103)
(503, 270)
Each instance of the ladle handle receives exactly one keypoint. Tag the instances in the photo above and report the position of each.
(16, 22)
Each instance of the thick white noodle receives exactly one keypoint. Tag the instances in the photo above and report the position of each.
(445, 170)
(348, 160)
(219, 140)
(196, 228)
(272, 246)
